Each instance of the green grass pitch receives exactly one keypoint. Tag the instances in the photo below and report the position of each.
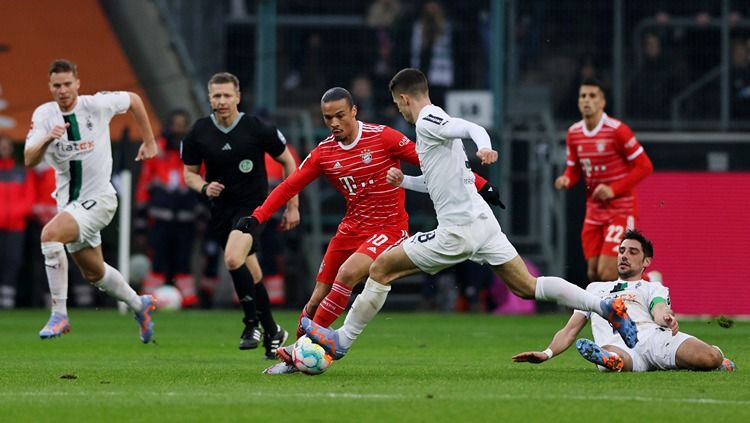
(405, 368)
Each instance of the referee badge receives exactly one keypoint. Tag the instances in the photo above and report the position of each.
(246, 166)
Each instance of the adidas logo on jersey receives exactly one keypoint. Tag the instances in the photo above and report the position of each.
(373, 249)
(337, 165)
(226, 147)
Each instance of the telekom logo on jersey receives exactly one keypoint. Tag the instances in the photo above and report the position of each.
(348, 183)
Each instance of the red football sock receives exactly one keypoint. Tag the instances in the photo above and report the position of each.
(300, 331)
(333, 305)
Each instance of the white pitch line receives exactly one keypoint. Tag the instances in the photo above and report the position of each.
(378, 397)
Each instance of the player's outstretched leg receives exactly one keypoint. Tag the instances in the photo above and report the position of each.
(593, 353)
(615, 311)
(325, 337)
(143, 317)
(57, 325)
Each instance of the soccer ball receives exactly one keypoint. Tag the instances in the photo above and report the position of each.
(309, 357)
(168, 298)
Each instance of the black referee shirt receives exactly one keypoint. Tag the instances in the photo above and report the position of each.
(234, 156)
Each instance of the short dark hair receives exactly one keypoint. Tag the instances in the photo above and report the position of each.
(337, 93)
(224, 78)
(63, 66)
(593, 82)
(410, 81)
(646, 245)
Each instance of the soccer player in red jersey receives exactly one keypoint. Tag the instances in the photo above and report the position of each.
(612, 162)
(355, 159)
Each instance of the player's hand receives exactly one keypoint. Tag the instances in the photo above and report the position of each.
(214, 189)
(535, 357)
(487, 156)
(671, 321)
(290, 219)
(562, 182)
(57, 131)
(394, 176)
(248, 225)
(147, 150)
(491, 195)
(603, 192)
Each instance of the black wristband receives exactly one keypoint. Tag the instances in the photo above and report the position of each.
(204, 188)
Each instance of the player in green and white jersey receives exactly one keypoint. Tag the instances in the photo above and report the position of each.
(661, 345)
(71, 134)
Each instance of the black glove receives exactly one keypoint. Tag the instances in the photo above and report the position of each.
(491, 195)
(248, 225)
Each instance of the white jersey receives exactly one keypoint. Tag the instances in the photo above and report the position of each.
(82, 158)
(445, 166)
(639, 296)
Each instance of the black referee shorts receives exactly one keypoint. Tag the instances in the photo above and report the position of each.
(223, 220)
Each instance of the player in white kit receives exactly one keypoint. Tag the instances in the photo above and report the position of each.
(71, 133)
(467, 228)
(661, 346)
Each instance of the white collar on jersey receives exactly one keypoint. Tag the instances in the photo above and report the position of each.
(596, 129)
(356, 140)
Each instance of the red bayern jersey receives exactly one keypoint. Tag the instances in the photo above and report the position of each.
(358, 172)
(609, 154)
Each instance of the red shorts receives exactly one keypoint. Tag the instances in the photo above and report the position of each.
(603, 239)
(343, 246)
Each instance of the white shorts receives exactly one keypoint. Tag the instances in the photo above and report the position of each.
(92, 215)
(657, 351)
(482, 242)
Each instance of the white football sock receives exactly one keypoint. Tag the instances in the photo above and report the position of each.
(365, 307)
(551, 288)
(113, 283)
(56, 267)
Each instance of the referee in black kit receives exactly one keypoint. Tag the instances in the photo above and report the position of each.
(232, 146)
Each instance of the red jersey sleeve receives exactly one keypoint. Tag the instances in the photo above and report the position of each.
(291, 186)
(634, 153)
(400, 146)
(572, 165)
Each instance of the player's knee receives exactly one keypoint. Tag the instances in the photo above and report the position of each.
(233, 261)
(50, 234)
(348, 276)
(379, 271)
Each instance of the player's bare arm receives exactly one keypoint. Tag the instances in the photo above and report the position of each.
(291, 218)
(35, 149)
(148, 148)
(664, 316)
(563, 339)
(195, 181)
